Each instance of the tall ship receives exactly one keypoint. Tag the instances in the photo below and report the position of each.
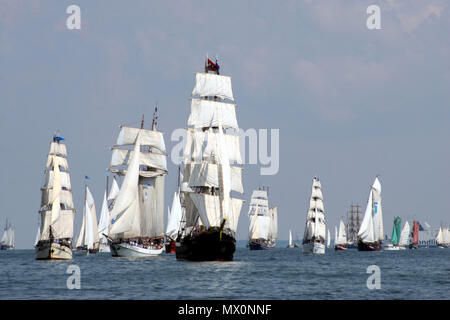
(443, 238)
(211, 215)
(88, 237)
(340, 242)
(370, 235)
(8, 238)
(263, 227)
(354, 219)
(57, 211)
(415, 236)
(314, 236)
(137, 216)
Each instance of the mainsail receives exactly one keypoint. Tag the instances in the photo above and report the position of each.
(396, 231)
(174, 217)
(57, 209)
(138, 210)
(404, 235)
(371, 229)
(341, 237)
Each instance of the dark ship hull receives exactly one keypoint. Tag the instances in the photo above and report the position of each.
(340, 247)
(170, 246)
(373, 246)
(206, 246)
(260, 245)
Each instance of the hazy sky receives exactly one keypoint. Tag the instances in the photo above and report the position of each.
(349, 102)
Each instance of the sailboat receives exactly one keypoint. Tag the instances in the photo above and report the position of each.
(173, 223)
(415, 236)
(211, 215)
(442, 238)
(354, 219)
(8, 238)
(137, 216)
(370, 235)
(88, 238)
(340, 242)
(104, 222)
(57, 211)
(396, 233)
(314, 236)
(328, 238)
(290, 244)
(263, 222)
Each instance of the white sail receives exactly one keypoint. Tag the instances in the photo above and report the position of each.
(125, 213)
(8, 238)
(440, 236)
(446, 236)
(404, 235)
(207, 84)
(335, 235)
(273, 213)
(89, 227)
(38, 234)
(328, 238)
(206, 113)
(121, 157)
(377, 211)
(366, 231)
(202, 145)
(174, 219)
(103, 224)
(290, 238)
(259, 227)
(58, 149)
(114, 190)
(81, 235)
(207, 174)
(150, 138)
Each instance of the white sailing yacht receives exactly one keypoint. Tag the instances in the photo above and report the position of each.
(328, 238)
(340, 240)
(263, 222)
(57, 211)
(290, 244)
(370, 235)
(137, 216)
(8, 238)
(314, 236)
(88, 238)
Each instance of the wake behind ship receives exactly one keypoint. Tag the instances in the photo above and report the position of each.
(210, 214)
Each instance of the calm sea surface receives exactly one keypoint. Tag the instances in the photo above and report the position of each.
(280, 273)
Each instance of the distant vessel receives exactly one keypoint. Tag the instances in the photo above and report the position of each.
(314, 236)
(57, 209)
(137, 216)
(8, 239)
(340, 242)
(370, 235)
(104, 222)
(88, 238)
(328, 238)
(290, 244)
(443, 238)
(396, 233)
(415, 236)
(262, 233)
(354, 219)
(211, 215)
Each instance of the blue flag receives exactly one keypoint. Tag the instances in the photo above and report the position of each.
(86, 177)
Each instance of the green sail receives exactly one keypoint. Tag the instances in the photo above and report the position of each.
(396, 231)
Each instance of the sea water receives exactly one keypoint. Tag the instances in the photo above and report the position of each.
(279, 273)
